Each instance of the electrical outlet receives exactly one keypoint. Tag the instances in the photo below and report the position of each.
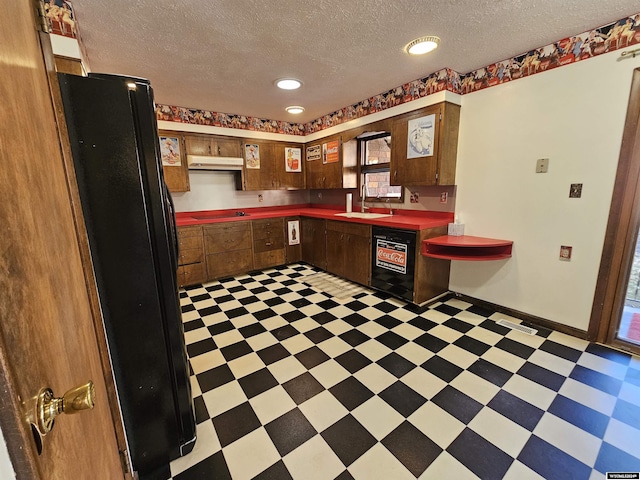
(443, 197)
(415, 197)
(565, 253)
(542, 165)
(260, 199)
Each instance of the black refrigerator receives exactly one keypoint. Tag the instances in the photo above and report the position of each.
(130, 223)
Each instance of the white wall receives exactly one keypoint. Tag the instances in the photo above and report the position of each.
(213, 190)
(573, 115)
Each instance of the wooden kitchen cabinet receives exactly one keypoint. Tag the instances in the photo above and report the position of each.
(175, 176)
(436, 169)
(340, 174)
(349, 250)
(213, 145)
(313, 242)
(192, 268)
(268, 243)
(228, 249)
(272, 174)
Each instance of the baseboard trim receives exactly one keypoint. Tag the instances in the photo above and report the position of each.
(532, 319)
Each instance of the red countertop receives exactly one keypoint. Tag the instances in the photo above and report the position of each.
(406, 219)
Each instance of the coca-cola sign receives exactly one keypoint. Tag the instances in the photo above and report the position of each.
(391, 255)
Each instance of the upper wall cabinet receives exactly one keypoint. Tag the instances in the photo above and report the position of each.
(270, 165)
(331, 164)
(174, 161)
(424, 146)
(213, 145)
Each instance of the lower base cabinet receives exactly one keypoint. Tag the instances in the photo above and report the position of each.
(349, 250)
(268, 243)
(191, 265)
(228, 249)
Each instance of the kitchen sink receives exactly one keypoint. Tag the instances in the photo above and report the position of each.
(362, 215)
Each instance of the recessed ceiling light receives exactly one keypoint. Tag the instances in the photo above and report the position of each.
(295, 109)
(422, 45)
(288, 83)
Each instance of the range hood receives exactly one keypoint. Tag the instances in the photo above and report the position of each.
(202, 162)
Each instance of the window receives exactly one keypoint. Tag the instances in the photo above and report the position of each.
(375, 155)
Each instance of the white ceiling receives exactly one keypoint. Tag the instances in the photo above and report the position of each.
(223, 55)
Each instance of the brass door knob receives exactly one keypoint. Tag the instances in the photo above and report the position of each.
(48, 407)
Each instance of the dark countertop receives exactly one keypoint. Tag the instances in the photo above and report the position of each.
(405, 219)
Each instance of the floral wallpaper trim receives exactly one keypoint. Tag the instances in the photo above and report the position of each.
(605, 39)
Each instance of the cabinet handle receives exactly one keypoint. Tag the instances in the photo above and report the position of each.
(218, 150)
(268, 244)
(395, 173)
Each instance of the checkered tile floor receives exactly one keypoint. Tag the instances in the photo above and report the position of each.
(290, 383)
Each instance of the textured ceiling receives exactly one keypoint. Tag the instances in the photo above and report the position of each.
(223, 55)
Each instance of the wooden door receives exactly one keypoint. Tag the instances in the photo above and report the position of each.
(314, 249)
(289, 179)
(176, 176)
(263, 177)
(358, 258)
(335, 251)
(47, 333)
(419, 170)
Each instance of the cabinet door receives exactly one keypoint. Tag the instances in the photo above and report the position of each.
(175, 176)
(313, 242)
(325, 173)
(421, 170)
(228, 147)
(199, 144)
(336, 252)
(264, 176)
(358, 258)
(289, 165)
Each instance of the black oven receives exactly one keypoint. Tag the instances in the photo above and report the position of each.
(393, 261)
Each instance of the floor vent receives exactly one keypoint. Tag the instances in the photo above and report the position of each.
(516, 326)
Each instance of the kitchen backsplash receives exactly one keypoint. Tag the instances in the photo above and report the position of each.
(215, 190)
(438, 199)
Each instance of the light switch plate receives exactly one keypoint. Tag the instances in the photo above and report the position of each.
(575, 191)
(542, 165)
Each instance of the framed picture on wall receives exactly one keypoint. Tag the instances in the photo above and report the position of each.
(170, 151)
(420, 137)
(293, 229)
(252, 155)
(292, 159)
(314, 152)
(331, 152)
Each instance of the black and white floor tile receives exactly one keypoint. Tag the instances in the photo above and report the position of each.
(290, 383)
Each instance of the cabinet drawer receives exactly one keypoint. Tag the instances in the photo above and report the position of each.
(190, 231)
(190, 243)
(269, 258)
(267, 244)
(191, 274)
(350, 228)
(191, 255)
(268, 228)
(227, 242)
(229, 263)
(220, 228)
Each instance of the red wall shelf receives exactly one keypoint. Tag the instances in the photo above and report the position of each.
(466, 247)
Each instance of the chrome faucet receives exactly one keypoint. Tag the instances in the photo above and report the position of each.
(363, 192)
